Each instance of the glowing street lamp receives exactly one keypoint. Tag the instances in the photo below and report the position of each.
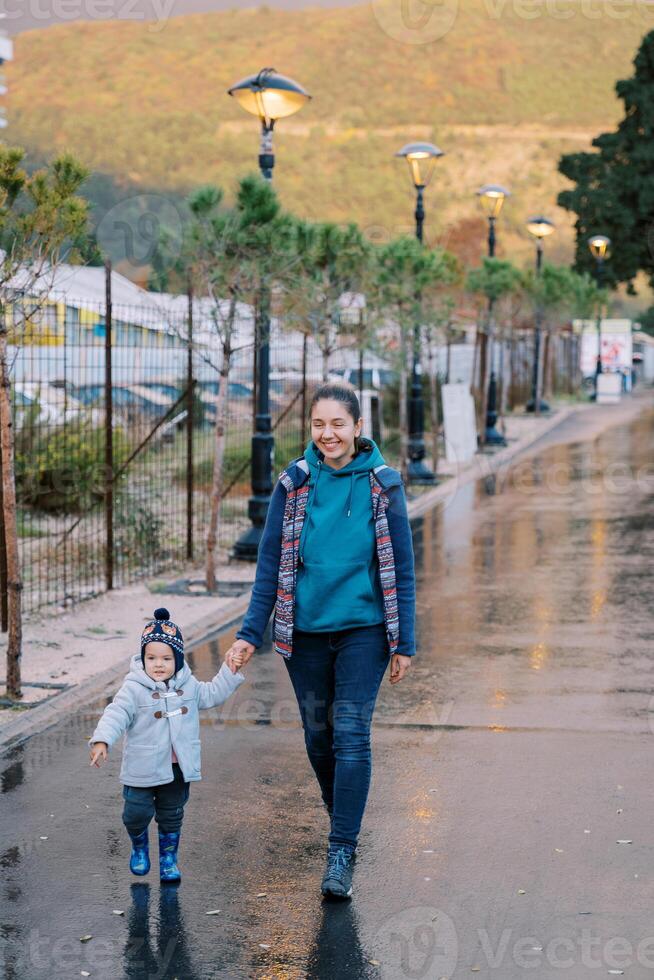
(421, 158)
(269, 96)
(540, 228)
(599, 246)
(492, 198)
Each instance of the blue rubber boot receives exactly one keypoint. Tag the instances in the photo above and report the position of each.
(168, 870)
(139, 860)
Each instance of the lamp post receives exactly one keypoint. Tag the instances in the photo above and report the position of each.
(599, 246)
(421, 158)
(492, 198)
(270, 97)
(540, 228)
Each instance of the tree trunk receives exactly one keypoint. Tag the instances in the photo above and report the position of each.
(433, 403)
(448, 362)
(14, 582)
(548, 365)
(217, 478)
(475, 363)
(483, 385)
(502, 392)
(402, 408)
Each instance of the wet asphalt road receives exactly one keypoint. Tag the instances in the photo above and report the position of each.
(506, 769)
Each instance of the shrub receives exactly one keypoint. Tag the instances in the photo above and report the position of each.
(61, 470)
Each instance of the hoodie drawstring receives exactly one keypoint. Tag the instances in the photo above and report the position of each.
(349, 497)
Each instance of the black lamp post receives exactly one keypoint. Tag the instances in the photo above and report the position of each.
(492, 198)
(599, 246)
(540, 228)
(421, 158)
(270, 97)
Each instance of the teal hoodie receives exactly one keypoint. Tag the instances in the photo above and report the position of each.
(338, 584)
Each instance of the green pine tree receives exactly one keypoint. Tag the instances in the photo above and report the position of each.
(614, 188)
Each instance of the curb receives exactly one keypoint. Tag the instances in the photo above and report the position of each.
(484, 465)
(34, 720)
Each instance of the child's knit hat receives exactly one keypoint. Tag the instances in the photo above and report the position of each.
(163, 630)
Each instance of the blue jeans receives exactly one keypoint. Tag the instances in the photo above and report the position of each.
(165, 803)
(336, 678)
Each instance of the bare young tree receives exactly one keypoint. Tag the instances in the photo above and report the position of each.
(235, 258)
(407, 275)
(40, 215)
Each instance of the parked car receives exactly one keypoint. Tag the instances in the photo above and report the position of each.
(47, 404)
(132, 404)
(372, 377)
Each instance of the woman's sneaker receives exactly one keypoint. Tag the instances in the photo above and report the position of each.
(337, 882)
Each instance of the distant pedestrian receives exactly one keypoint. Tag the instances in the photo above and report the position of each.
(336, 563)
(157, 710)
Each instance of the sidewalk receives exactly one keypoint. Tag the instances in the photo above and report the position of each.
(84, 651)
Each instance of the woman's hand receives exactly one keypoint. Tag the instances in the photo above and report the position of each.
(238, 654)
(399, 667)
(98, 753)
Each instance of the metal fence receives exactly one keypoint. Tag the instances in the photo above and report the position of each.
(114, 408)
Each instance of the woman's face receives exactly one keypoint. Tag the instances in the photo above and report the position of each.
(333, 430)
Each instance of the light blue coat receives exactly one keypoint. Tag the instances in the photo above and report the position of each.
(147, 756)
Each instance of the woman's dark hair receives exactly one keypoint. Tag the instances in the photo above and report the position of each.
(341, 393)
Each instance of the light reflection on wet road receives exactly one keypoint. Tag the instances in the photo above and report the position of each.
(505, 771)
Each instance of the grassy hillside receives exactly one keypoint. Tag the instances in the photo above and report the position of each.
(502, 93)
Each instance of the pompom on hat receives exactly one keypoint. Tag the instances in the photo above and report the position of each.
(162, 630)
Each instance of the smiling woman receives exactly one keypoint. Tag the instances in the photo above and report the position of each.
(336, 565)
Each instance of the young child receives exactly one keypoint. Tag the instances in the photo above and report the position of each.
(157, 710)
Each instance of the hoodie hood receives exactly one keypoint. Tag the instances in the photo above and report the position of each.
(368, 457)
(137, 673)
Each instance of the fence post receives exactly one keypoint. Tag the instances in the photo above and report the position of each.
(108, 436)
(189, 429)
(4, 606)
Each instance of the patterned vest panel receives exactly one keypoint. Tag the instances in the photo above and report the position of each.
(294, 514)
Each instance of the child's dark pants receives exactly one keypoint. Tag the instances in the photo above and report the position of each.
(165, 803)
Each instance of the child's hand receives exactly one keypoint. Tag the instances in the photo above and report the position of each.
(98, 753)
(238, 654)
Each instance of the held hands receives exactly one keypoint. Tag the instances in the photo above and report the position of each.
(399, 667)
(238, 654)
(98, 753)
